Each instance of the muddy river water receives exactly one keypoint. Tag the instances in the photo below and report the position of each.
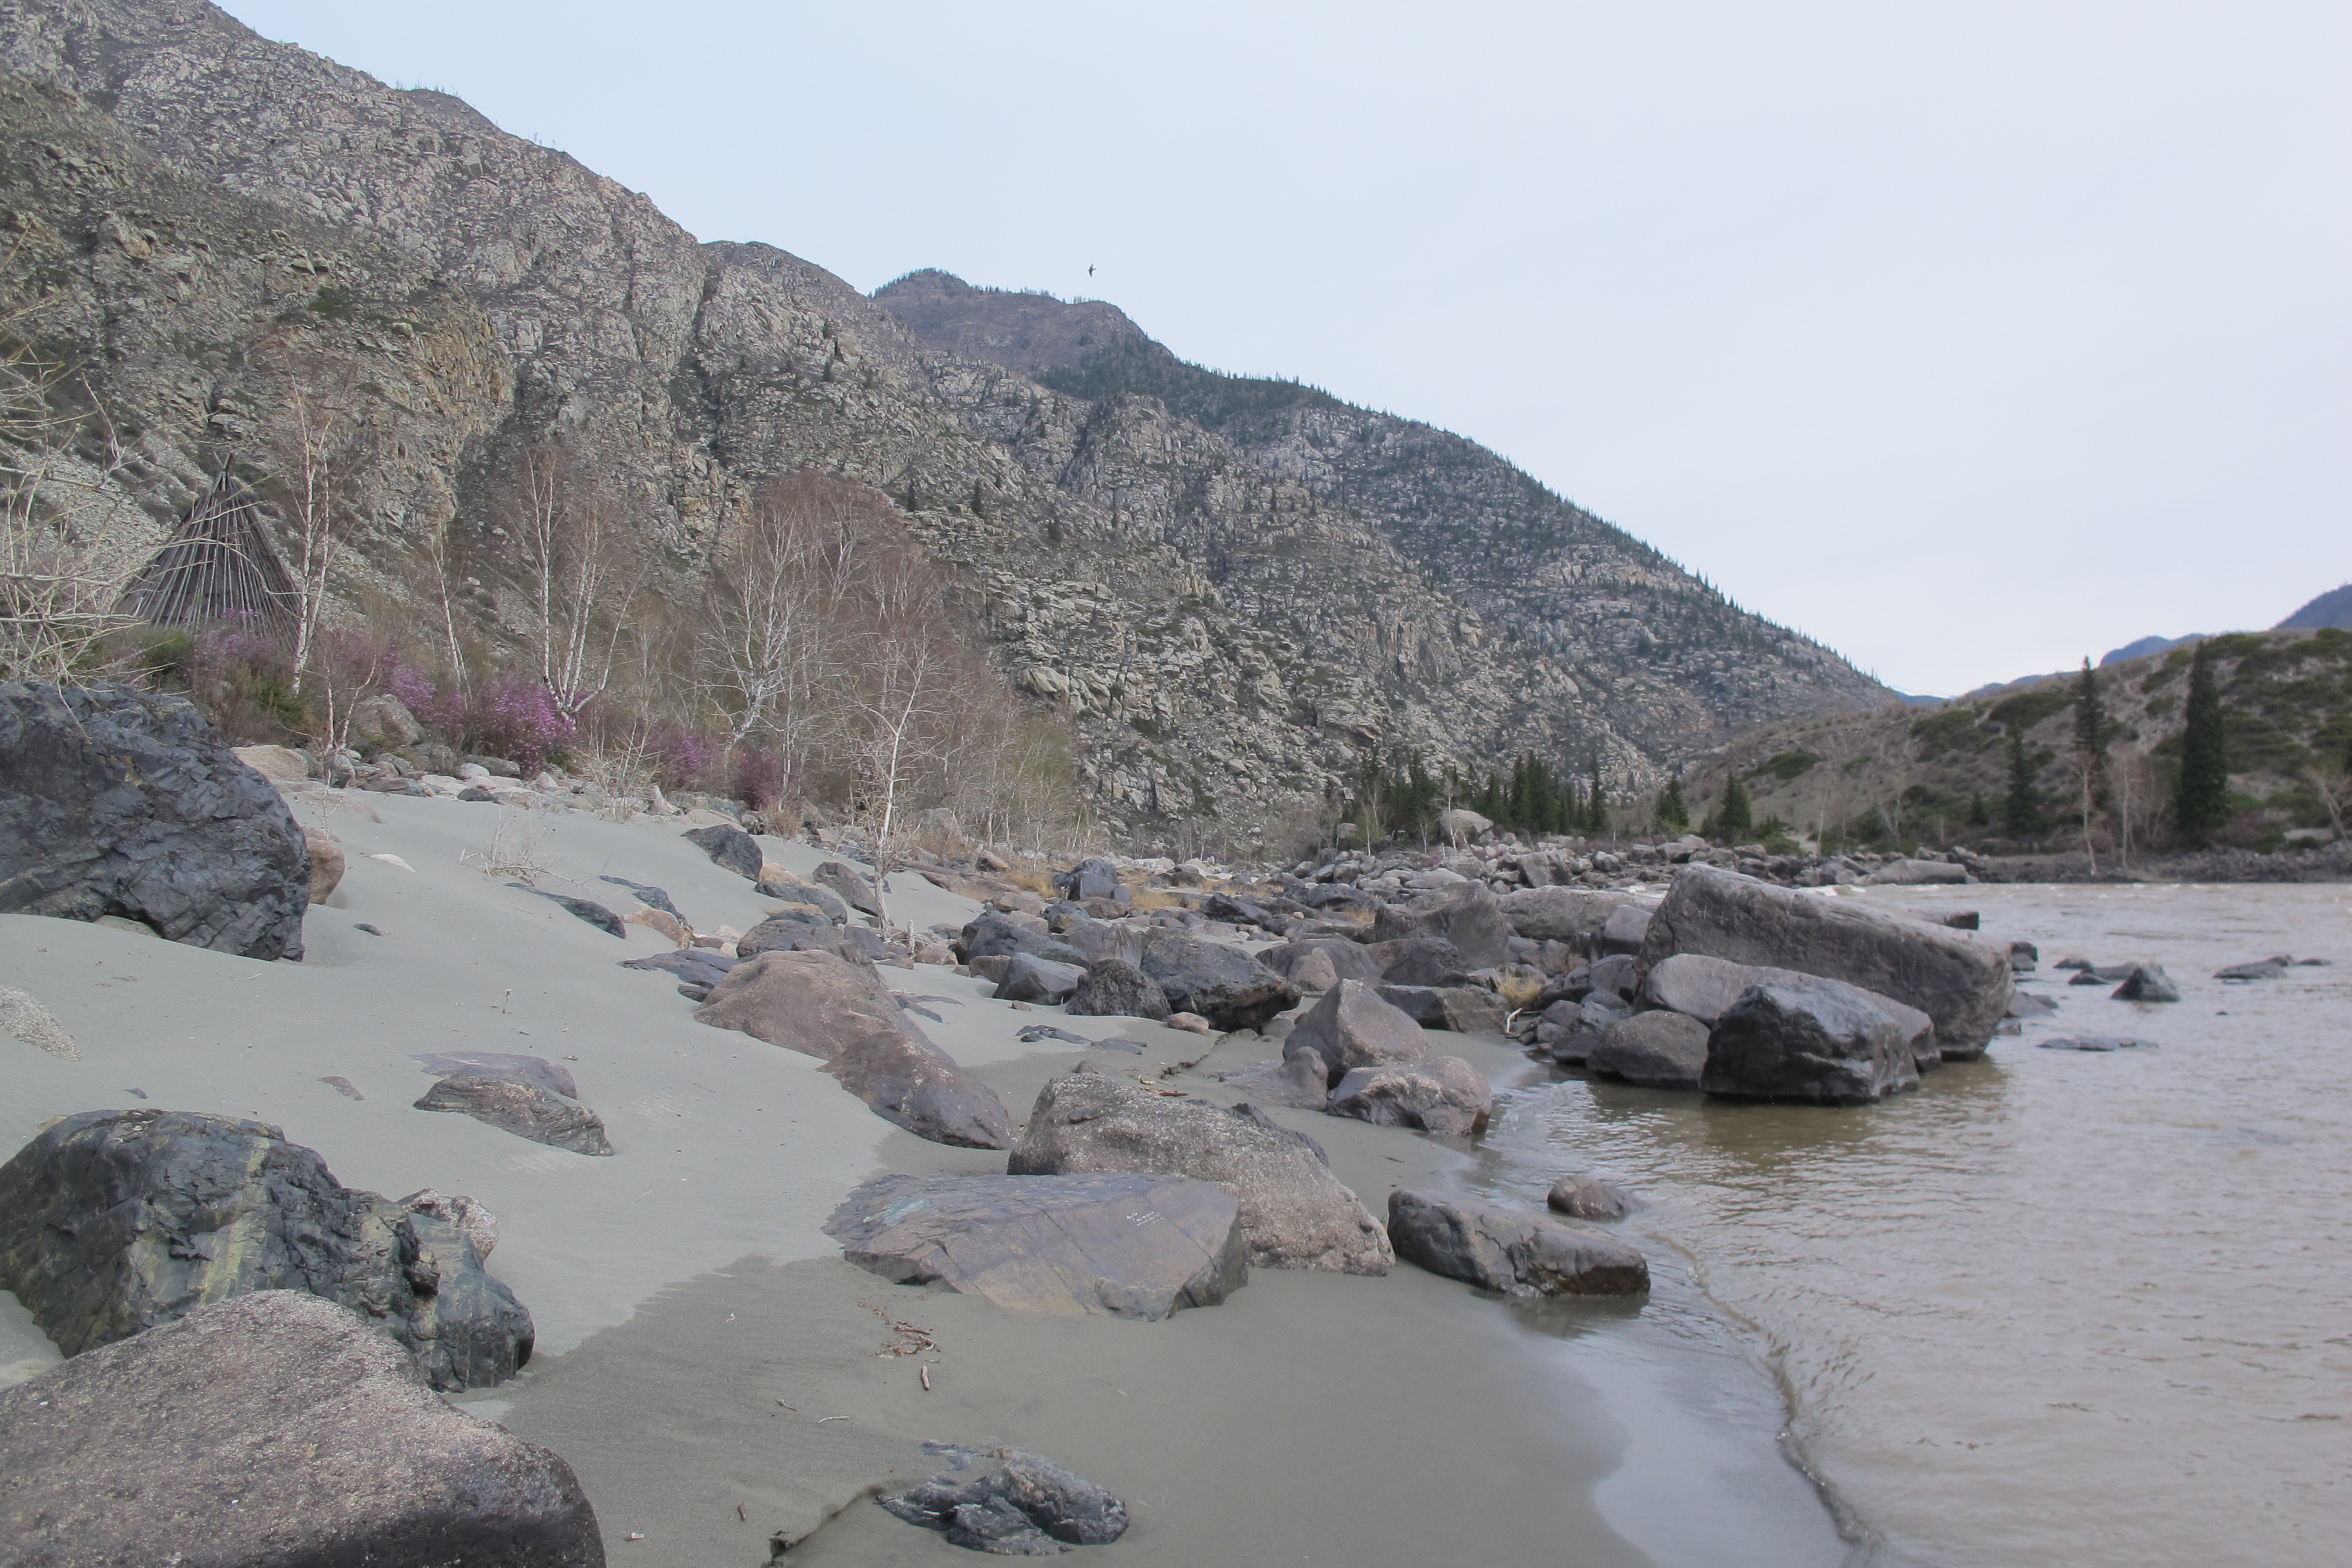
(2055, 1307)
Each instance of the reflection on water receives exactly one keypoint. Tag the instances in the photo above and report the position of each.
(2056, 1307)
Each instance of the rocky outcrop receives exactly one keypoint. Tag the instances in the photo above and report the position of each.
(1808, 1040)
(1957, 980)
(1128, 1245)
(1502, 1249)
(117, 802)
(1009, 1502)
(273, 1430)
(1223, 984)
(1294, 1211)
(113, 1221)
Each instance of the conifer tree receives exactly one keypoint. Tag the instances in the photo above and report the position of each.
(2202, 805)
(1596, 802)
(2090, 757)
(1672, 813)
(1736, 814)
(2022, 811)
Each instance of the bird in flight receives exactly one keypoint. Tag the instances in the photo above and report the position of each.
(1090, 268)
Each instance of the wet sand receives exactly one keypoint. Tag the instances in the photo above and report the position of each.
(696, 1328)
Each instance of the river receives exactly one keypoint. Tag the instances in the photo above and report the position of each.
(2055, 1307)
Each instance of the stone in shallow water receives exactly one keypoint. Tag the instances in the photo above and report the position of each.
(2147, 982)
(1497, 1248)
(2095, 1043)
(1128, 1245)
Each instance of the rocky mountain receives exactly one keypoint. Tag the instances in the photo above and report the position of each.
(1232, 590)
(2333, 608)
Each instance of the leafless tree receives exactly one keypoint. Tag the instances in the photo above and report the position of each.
(583, 569)
(314, 450)
(771, 637)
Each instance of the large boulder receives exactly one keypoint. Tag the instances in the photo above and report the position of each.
(1417, 961)
(113, 1221)
(1223, 984)
(802, 929)
(1918, 874)
(1444, 1094)
(1297, 1079)
(1705, 988)
(843, 882)
(1009, 1502)
(1114, 988)
(1294, 1211)
(911, 1083)
(1028, 978)
(1503, 1249)
(1572, 915)
(1810, 1040)
(993, 936)
(1466, 915)
(1465, 1009)
(272, 1430)
(383, 723)
(1125, 1244)
(1654, 1051)
(1099, 940)
(1345, 960)
(1625, 929)
(1354, 1026)
(814, 1003)
(729, 845)
(1961, 983)
(1095, 879)
(124, 803)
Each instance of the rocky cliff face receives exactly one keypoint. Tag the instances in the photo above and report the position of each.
(1230, 589)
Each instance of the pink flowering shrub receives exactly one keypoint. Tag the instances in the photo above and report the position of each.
(504, 717)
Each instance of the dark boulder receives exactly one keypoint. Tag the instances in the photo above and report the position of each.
(1502, 1249)
(730, 846)
(273, 1430)
(2260, 969)
(1571, 916)
(793, 931)
(1028, 978)
(1444, 1094)
(1625, 932)
(1096, 878)
(1569, 1030)
(1705, 988)
(502, 1064)
(1416, 961)
(1223, 984)
(846, 884)
(911, 1083)
(117, 802)
(1465, 1009)
(993, 936)
(1960, 983)
(806, 895)
(1114, 988)
(588, 910)
(1294, 1211)
(113, 1221)
(702, 966)
(1466, 915)
(2147, 983)
(1582, 1196)
(524, 1109)
(1348, 959)
(1654, 1051)
(1099, 940)
(1808, 1040)
(1352, 1027)
(1064, 1245)
(1618, 973)
(814, 1003)
(1009, 1502)
(2023, 957)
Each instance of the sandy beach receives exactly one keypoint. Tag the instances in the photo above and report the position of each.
(707, 1362)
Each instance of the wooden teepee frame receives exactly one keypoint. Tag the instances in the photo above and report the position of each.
(219, 564)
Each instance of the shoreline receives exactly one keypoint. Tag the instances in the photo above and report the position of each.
(1393, 1414)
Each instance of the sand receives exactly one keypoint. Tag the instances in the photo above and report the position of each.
(700, 1341)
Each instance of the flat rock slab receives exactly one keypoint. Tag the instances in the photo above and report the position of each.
(1503, 1249)
(529, 1110)
(1009, 1502)
(274, 1430)
(501, 1064)
(1128, 1244)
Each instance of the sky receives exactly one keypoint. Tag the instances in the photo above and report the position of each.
(1971, 337)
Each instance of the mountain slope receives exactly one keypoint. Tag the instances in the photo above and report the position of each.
(1230, 591)
(2333, 608)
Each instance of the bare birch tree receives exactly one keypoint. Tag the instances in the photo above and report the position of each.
(314, 450)
(582, 568)
(60, 600)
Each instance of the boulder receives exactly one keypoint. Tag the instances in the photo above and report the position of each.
(1619, 973)
(113, 1221)
(1961, 983)
(1099, 940)
(1465, 1009)
(526, 1109)
(1354, 1028)
(1125, 1244)
(2025, 1005)
(1095, 879)
(1416, 961)
(1466, 915)
(383, 723)
(800, 929)
(911, 1083)
(1223, 984)
(1345, 960)
(1009, 1502)
(2147, 982)
(1918, 874)
(1808, 1041)
(513, 1065)
(1461, 826)
(1964, 920)
(729, 845)
(1294, 1211)
(1444, 1094)
(278, 764)
(1575, 916)
(814, 1003)
(1569, 1030)
(327, 864)
(2262, 969)
(804, 895)
(1583, 1196)
(117, 802)
(1654, 1051)
(845, 884)
(1503, 1249)
(2023, 957)
(1028, 978)
(1115, 988)
(993, 935)
(1625, 929)
(1705, 988)
(273, 1430)
(587, 910)
(1297, 1079)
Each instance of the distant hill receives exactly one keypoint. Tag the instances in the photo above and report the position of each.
(2333, 608)
(2143, 648)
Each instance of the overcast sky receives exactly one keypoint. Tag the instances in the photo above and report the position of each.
(1971, 337)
